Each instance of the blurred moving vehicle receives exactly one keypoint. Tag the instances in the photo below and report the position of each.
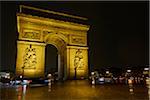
(108, 80)
(101, 80)
(4, 77)
(97, 78)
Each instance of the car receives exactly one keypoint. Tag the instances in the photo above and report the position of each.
(101, 80)
(108, 80)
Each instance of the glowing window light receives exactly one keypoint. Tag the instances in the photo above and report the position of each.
(146, 68)
(7, 74)
(101, 79)
(128, 71)
(130, 81)
(8, 77)
(107, 72)
(20, 76)
(92, 73)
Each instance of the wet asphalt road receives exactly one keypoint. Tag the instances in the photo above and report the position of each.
(75, 90)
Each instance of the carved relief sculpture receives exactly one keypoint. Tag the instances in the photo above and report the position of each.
(78, 61)
(78, 40)
(31, 34)
(29, 58)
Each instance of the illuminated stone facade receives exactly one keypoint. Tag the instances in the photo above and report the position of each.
(69, 38)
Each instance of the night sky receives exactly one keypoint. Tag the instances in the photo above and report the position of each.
(118, 35)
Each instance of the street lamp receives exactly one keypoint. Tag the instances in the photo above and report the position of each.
(146, 69)
(128, 71)
(23, 71)
(75, 73)
(107, 72)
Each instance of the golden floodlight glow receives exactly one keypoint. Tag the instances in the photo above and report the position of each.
(69, 38)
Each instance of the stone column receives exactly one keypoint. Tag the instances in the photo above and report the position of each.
(59, 66)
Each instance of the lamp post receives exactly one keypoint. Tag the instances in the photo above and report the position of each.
(75, 69)
(76, 64)
(23, 71)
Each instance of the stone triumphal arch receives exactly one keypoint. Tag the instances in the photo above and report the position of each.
(69, 38)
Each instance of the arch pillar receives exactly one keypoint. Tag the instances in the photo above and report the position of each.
(30, 59)
(81, 64)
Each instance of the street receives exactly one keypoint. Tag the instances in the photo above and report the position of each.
(75, 90)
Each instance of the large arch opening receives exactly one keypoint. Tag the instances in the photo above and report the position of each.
(59, 44)
(51, 59)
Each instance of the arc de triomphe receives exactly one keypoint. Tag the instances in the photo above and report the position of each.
(36, 32)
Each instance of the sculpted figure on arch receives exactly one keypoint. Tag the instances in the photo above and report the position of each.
(78, 61)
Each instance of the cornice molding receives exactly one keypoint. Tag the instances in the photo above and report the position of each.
(54, 22)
